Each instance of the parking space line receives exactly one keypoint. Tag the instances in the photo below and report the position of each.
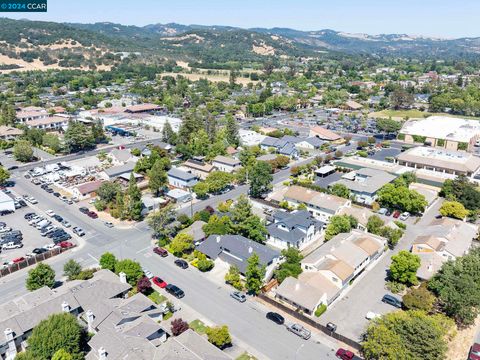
(142, 250)
(93, 257)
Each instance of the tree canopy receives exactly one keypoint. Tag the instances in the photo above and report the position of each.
(40, 276)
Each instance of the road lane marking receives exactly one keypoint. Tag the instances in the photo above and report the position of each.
(142, 250)
(93, 257)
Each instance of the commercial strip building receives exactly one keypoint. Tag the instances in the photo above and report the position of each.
(329, 270)
(440, 161)
(450, 133)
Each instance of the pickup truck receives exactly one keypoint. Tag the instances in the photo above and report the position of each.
(299, 330)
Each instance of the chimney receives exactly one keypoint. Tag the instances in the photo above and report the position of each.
(218, 239)
(65, 307)
(12, 348)
(90, 318)
(102, 353)
(123, 277)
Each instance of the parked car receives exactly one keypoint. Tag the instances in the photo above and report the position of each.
(147, 273)
(38, 251)
(276, 317)
(65, 244)
(83, 210)
(181, 263)
(43, 224)
(392, 300)
(388, 213)
(47, 230)
(239, 296)
(382, 211)
(108, 224)
(5, 229)
(474, 353)
(175, 291)
(17, 260)
(12, 245)
(405, 216)
(159, 282)
(371, 315)
(32, 200)
(66, 223)
(346, 355)
(92, 214)
(56, 194)
(160, 251)
(58, 218)
(29, 216)
(396, 214)
(56, 232)
(61, 238)
(299, 330)
(78, 231)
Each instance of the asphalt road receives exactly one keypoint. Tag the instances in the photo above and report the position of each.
(246, 322)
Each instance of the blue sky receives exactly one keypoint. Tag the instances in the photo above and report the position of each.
(442, 18)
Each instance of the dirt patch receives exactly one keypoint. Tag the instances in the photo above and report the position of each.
(198, 39)
(263, 49)
(459, 347)
(209, 77)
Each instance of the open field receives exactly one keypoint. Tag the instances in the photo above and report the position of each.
(413, 114)
(210, 77)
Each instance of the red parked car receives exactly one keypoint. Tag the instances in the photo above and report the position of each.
(159, 282)
(474, 353)
(396, 214)
(65, 244)
(17, 260)
(92, 214)
(346, 355)
(160, 251)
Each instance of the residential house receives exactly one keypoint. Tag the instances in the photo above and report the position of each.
(196, 231)
(329, 270)
(198, 167)
(86, 190)
(9, 133)
(311, 143)
(114, 172)
(143, 108)
(121, 156)
(321, 205)
(181, 179)
(324, 134)
(444, 239)
(364, 183)
(29, 114)
(297, 229)
(226, 164)
(237, 249)
(49, 123)
(352, 105)
(179, 195)
(283, 146)
(362, 215)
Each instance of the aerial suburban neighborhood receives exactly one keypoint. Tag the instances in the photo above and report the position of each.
(185, 192)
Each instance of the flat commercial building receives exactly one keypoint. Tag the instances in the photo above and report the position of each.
(440, 160)
(442, 131)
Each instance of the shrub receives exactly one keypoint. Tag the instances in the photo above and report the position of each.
(179, 326)
(362, 153)
(395, 287)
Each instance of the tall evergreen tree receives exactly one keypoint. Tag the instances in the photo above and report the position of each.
(133, 201)
(168, 135)
(254, 274)
(231, 128)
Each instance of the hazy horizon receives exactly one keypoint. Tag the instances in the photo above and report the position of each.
(428, 18)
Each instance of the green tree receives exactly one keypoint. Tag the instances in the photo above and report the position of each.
(246, 223)
(457, 286)
(400, 197)
(406, 179)
(419, 299)
(260, 178)
(218, 226)
(58, 331)
(78, 137)
(4, 175)
(291, 266)
(408, 335)
(340, 190)
(453, 209)
(133, 200)
(159, 220)
(108, 261)
(22, 151)
(108, 191)
(339, 224)
(463, 191)
(232, 277)
(72, 269)
(62, 354)
(157, 177)
(388, 125)
(131, 268)
(404, 267)
(51, 141)
(201, 189)
(181, 243)
(40, 276)
(219, 336)
(218, 180)
(254, 274)
(231, 128)
(168, 135)
(374, 224)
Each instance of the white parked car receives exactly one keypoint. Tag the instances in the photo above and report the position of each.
(12, 245)
(5, 229)
(50, 213)
(32, 200)
(148, 273)
(371, 315)
(404, 216)
(51, 246)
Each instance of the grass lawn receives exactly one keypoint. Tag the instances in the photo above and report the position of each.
(198, 326)
(246, 356)
(400, 114)
(157, 298)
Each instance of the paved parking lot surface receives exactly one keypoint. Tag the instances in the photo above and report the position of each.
(385, 153)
